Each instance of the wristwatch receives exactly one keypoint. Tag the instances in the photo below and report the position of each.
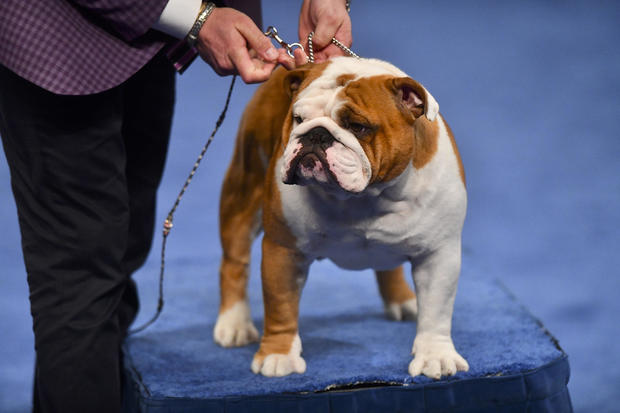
(205, 12)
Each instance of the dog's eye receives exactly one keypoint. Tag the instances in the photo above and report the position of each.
(358, 128)
(297, 119)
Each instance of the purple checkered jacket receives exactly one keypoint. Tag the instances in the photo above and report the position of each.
(78, 47)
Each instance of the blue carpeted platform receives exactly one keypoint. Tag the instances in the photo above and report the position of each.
(357, 358)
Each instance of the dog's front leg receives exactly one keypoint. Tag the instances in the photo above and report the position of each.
(435, 277)
(284, 272)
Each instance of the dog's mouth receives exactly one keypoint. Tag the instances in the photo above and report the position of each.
(310, 163)
(323, 154)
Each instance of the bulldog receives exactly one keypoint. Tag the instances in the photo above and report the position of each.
(348, 160)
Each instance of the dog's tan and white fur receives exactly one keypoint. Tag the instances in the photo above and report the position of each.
(348, 160)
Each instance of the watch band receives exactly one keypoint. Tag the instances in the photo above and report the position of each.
(192, 36)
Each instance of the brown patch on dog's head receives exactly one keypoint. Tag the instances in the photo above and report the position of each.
(389, 117)
(298, 79)
(344, 79)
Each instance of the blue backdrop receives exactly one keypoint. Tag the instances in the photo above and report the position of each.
(531, 90)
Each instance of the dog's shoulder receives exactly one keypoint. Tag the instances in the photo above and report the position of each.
(262, 120)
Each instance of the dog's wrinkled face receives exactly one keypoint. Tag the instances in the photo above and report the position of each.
(354, 122)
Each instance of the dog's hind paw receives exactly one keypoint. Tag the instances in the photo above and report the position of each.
(407, 310)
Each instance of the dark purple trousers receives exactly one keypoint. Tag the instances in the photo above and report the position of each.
(84, 174)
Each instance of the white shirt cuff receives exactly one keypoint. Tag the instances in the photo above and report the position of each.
(178, 17)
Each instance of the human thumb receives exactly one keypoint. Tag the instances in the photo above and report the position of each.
(259, 42)
(323, 34)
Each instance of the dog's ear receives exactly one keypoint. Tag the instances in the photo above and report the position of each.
(294, 78)
(415, 98)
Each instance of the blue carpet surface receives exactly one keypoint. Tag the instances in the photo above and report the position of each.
(532, 92)
(347, 341)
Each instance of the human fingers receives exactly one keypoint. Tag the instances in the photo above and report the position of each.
(285, 60)
(327, 19)
(305, 23)
(301, 58)
(326, 27)
(228, 31)
(257, 41)
(344, 33)
(217, 36)
(251, 70)
(323, 17)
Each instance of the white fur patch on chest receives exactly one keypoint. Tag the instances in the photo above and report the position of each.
(387, 224)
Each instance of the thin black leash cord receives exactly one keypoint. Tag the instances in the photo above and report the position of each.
(169, 218)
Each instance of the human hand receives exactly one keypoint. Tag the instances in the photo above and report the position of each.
(299, 58)
(327, 18)
(293, 50)
(231, 43)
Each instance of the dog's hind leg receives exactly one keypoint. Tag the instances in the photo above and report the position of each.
(399, 300)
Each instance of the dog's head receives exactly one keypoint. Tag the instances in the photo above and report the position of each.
(355, 122)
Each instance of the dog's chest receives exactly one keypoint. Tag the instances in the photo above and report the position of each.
(358, 233)
(377, 242)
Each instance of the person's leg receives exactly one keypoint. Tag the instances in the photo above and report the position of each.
(67, 161)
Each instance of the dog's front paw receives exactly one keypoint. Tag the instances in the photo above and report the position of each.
(407, 310)
(435, 356)
(234, 327)
(278, 365)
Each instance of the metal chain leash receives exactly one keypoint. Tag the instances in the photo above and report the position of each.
(290, 47)
(334, 41)
(273, 33)
(169, 218)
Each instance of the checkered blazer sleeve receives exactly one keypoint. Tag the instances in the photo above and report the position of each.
(129, 18)
(78, 47)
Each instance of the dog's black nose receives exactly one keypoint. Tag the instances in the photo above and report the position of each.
(319, 136)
